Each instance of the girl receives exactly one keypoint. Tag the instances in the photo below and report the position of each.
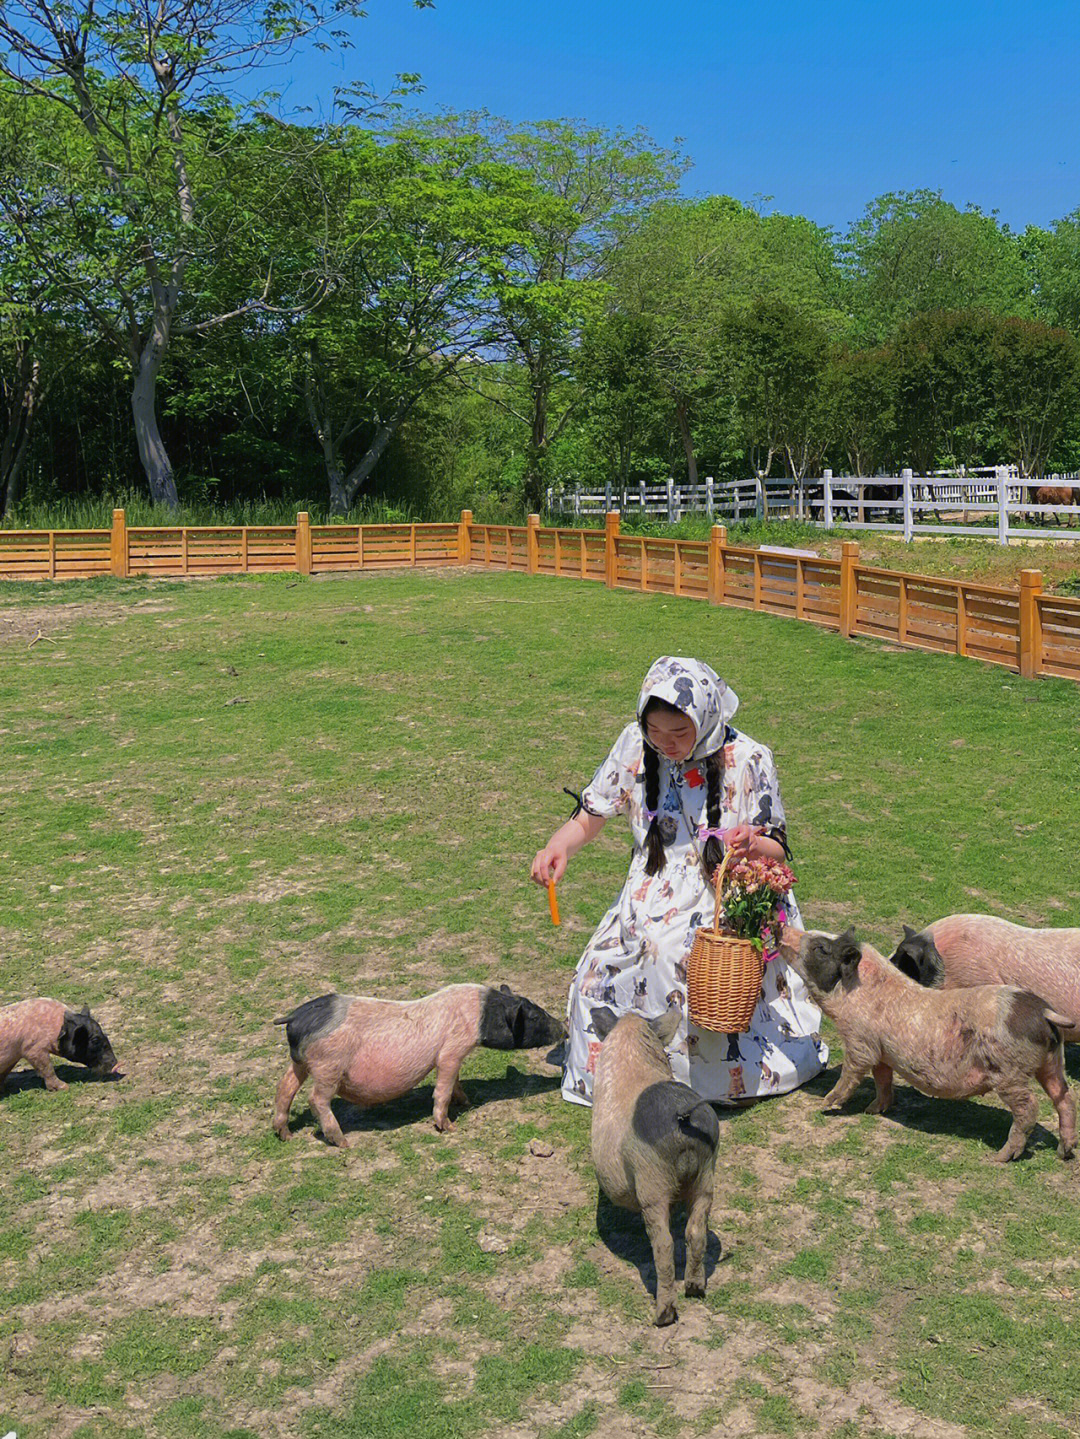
(685, 776)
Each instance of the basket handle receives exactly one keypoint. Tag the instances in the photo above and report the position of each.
(718, 885)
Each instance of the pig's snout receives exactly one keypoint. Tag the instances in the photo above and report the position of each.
(790, 944)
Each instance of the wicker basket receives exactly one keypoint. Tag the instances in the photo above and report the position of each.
(723, 974)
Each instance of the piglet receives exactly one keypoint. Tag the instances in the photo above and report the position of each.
(653, 1141)
(949, 1044)
(369, 1051)
(34, 1029)
(966, 949)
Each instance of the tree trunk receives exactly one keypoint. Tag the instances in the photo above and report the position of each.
(687, 442)
(22, 399)
(356, 477)
(152, 451)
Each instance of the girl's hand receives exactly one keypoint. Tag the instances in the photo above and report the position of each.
(550, 863)
(741, 839)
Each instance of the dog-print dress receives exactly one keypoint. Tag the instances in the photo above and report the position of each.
(636, 959)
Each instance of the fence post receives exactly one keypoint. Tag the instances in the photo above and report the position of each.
(577, 502)
(710, 497)
(909, 520)
(1030, 627)
(611, 558)
(118, 545)
(1003, 511)
(532, 545)
(549, 493)
(607, 497)
(827, 487)
(642, 495)
(717, 542)
(464, 537)
(303, 543)
(759, 499)
(849, 558)
(670, 501)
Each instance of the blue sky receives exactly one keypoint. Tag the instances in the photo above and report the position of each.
(821, 106)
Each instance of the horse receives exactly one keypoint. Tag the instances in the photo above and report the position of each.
(1054, 495)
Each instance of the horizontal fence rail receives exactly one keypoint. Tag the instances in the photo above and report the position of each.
(1022, 630)
(994, 502)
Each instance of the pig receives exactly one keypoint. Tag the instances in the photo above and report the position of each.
(967, 949)
(33, 1029)
(369, 1051)
(949, 1044)
(653, 1141)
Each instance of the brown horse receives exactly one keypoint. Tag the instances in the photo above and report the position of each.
(1054, 495)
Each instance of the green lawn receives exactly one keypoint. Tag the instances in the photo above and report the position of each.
(220, 798)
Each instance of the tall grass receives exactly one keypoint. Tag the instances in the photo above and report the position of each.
(94, 512)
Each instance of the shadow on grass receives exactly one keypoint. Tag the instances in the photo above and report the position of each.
(625, 1235)
(1072, 1061)
(952, 1118)
(30, 1079)
(417, 1106)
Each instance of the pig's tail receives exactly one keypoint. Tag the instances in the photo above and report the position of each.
(713, 852)
(654, 845)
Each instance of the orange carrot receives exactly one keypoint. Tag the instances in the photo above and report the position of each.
(553, 902)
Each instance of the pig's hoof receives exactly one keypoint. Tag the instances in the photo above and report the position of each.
(283, 1132)
(56, 1084)
(694, 1290)
(1065, 1151)
(668, 1315)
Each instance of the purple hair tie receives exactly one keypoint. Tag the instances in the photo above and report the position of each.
(704, 833)
(650, 815)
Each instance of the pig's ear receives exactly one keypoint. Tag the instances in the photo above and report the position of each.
(604, 1021)
(847, 951)
(909, 933)
(665, 1025)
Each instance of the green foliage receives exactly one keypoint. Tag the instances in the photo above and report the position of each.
(912, 252)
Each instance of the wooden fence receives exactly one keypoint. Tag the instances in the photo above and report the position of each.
(1023, 630)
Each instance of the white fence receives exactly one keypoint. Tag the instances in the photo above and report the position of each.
(909, 504)
(725, 499)
(991, 502)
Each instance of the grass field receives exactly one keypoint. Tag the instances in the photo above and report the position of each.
(221, 798)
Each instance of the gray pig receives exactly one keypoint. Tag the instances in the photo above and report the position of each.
(949, 1044)
(34, 1029)
(370, 1051)
(653, 1141)
(966, 949)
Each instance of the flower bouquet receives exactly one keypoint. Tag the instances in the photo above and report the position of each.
(753, 900)
(726, 963)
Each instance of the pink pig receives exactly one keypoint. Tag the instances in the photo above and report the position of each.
(950, 1045)
(965, 949)
(34, 1029)
(370, 1051)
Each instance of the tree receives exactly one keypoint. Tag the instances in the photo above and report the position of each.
(863, 383)
(592, 188)
(134, 137)
(429, 222)
(694, 262)
(1053, 258)
(1036, 382)
(778, 362)
(615, 370)
(945, 397)
(913, 252)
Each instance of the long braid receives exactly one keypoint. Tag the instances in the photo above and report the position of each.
(713, 852)
(653, 843)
